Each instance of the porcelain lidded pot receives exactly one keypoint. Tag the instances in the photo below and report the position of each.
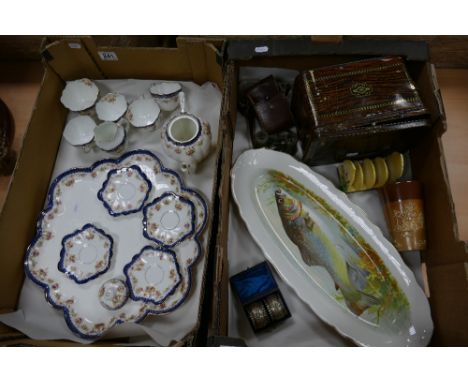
(186, 138)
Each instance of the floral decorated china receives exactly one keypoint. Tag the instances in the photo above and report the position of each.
(72, 203)
(109, 136)
(169, 219)
(86, 253)
(143, 112)
(111, 107)
(326, 249)
(153, 274)
(79, 130)
(186, 139)
(125, 191)
(166, 94)
(79, 95)
(113, 294)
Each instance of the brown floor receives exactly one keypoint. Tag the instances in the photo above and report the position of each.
(19, 85)
(454, 87)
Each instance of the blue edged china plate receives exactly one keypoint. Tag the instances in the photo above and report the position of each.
(125, 191)
(169, 219)
(73, 206)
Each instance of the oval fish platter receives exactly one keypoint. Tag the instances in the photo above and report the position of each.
(326, 249)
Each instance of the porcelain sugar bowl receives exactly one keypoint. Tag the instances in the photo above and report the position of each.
(186, 139)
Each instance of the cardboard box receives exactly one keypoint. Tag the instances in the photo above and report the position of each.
(445, 260)
(194, 59)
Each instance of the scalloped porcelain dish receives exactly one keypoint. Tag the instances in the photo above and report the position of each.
(153, 274)
(169, 219)
(143, 112)
(93, 308)
(79, 95)
(326, 249)
(125, 191)
(111, 107)
(79, 131)
(86, 253)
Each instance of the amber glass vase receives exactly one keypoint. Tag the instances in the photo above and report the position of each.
(404, 210)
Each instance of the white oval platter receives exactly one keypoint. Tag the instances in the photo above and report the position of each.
(326, 249)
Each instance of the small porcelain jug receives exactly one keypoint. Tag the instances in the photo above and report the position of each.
(186, 138)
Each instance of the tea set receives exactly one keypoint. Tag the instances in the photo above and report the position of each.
(105, 123)
(126, 231)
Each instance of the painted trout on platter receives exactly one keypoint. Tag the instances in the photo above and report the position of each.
(318, 249)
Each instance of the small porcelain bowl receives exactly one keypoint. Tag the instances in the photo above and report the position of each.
(110, 136)
(113, 294)
(143, 112)
(166, 94)
(111, 107)
(79, 131)
(79, 95)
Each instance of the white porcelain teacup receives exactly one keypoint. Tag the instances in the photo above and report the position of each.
(111, 107)
(79, 131)
(166, 95)
(79, 95)
(143, 113)
(111, 136)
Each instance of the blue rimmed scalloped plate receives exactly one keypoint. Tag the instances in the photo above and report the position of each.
(152, 275)
(86, 253)
(169, 219)
(125, 191)
(71, 204)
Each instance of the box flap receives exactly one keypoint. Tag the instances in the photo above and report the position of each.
(248, 49)
(70, 58)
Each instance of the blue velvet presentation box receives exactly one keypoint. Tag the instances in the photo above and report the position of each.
(260, 297)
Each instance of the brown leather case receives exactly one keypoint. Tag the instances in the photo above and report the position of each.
(271, 107)
(357, 109)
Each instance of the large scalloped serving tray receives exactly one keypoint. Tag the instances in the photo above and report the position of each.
(72, 203)
(326, 249)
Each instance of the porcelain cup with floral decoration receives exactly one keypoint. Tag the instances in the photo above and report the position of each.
(111, 136)
(166, 94)
(186, 138)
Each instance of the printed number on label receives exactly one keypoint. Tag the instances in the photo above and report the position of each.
(261, 49)
(108, 56)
